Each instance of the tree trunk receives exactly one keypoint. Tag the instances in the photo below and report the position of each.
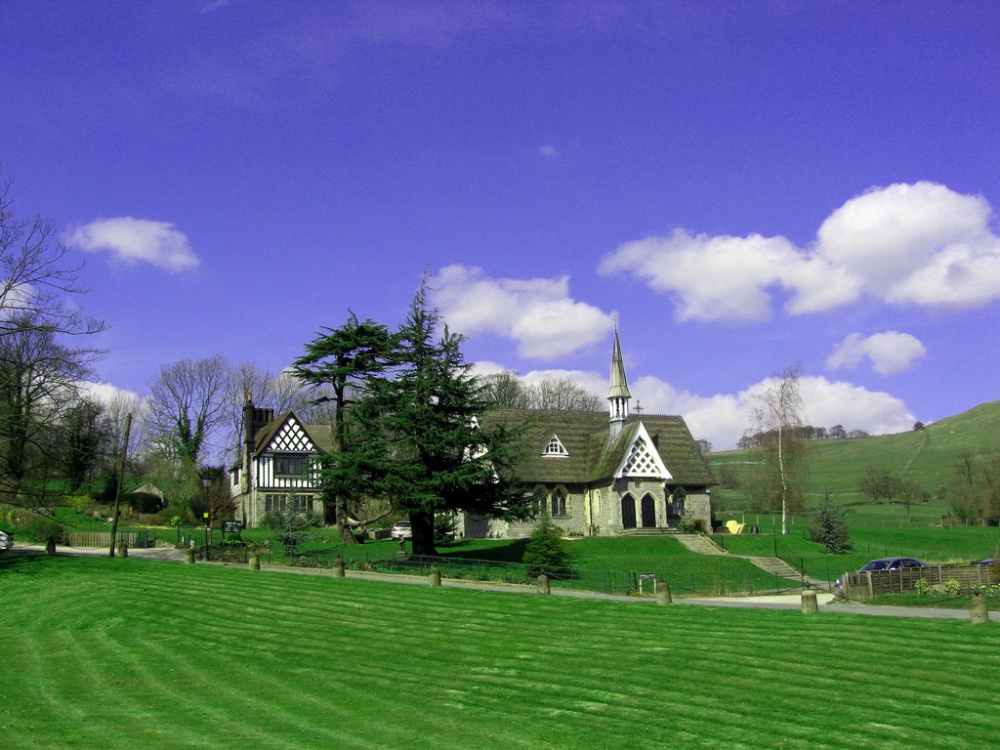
(343, 527)
(784, 482)
(422, 525)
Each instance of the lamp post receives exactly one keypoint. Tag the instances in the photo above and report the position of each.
(206, 483)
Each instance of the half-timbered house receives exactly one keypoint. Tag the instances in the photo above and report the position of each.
(277, 460)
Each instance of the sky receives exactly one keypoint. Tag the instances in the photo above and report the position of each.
(738, 186)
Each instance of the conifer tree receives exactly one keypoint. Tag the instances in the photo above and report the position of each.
(345, 360)
(416, 438)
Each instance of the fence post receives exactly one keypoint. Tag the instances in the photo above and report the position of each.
(662, 589)
(979, 611)
(434, 579)
(189, 555)
(809, 606)
(338, 567)
(254, 562)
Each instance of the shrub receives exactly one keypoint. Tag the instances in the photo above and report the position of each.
(79, 503)
(691, 526)
(546, 549)
(42, 530)
(830, 527)
(951, 587)
(444, 528)
(923, 587)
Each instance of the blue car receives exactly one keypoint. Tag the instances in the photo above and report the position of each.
(888, 563)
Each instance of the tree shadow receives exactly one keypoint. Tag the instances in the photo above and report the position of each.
(512, 552)
(24, 563)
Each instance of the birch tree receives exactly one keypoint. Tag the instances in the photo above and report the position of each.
(775, 417)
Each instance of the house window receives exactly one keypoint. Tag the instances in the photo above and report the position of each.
(278, 503)
(291, 464)
(558, 503)
(555, 448)
(274, 503)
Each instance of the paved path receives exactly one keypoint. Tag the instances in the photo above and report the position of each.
(827, 602)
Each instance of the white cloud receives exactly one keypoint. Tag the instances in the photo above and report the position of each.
(728, 278)
(536, 313)
(131, 241)
(827, 403)
(548, 151)
(889, 352)
(904, 244)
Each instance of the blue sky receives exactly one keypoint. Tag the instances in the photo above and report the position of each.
(744, 185)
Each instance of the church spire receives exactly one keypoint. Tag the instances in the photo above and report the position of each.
(618, 395)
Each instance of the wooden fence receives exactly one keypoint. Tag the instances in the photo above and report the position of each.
(860, 587)
(103, 538)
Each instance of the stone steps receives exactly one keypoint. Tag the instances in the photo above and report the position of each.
(775, 566)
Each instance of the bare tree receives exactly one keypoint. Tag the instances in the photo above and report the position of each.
(187, 402)
(775, 416)
(36, 275)
(505, 390)
(244, 379)
(564, 394)
(40, 380)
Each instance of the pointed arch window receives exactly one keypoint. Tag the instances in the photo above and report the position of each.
(555, 448)
(559, 502)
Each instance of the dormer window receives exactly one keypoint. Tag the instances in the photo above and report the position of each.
(555, 448)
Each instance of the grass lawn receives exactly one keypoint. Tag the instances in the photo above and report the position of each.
(109, 653)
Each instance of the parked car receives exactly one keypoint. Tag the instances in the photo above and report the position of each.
(6, 541)
(402, 530)
(888, 563)
(988, 561)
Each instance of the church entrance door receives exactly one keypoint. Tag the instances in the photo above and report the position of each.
(628, 512)
(648, 512)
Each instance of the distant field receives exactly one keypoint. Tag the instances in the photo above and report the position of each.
(104, 653)
(927, 456)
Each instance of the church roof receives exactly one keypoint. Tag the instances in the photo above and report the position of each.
(589, 458)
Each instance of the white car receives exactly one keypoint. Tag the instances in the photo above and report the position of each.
(6, 541)
(402, 530)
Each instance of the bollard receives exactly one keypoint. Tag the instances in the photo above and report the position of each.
(662, 589)
(50, 546)
(189, 555)
(121, 550)
(809, 606)
(253, 563)
(543, 584)
(434, 579)
(338, 567)
(979, 611)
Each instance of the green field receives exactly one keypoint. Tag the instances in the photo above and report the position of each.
(927, 455)
(109, 653)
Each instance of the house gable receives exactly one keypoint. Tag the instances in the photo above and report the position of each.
(288, 435)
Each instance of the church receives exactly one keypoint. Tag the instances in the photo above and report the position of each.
(597, 473)
(605, 474)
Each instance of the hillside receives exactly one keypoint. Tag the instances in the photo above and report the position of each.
(927, 455)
